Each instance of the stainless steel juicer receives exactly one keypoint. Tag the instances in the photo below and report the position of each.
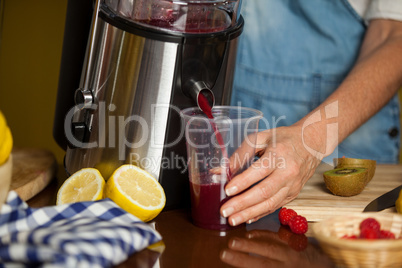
(144, 61)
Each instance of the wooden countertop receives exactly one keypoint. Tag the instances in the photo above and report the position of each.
(265, 242)
(316, 202)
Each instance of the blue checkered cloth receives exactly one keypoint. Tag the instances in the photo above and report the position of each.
(84, 234)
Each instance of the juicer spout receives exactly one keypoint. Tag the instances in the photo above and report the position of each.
(201, 93)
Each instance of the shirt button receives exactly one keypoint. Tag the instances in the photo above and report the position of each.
(393, 132)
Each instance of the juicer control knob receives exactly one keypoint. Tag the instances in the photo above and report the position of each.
(83, 98)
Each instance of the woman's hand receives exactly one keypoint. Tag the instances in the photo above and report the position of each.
(286, 161)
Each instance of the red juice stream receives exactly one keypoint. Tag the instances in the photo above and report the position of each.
(207, 109)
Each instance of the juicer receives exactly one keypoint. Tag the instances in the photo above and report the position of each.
(128, 67)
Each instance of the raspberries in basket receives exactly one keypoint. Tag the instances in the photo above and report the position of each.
(370, 228)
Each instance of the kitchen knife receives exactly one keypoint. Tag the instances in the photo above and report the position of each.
(386, 200)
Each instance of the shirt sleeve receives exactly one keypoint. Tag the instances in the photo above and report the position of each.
(384, 9)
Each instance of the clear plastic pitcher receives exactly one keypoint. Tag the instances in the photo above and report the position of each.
(217, 150)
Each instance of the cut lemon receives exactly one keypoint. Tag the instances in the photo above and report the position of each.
(6, 140)
(136, 191)
(6, 145)
(86, 184)
(106, 168)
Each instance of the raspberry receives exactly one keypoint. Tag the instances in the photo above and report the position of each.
(385, 234)
(370, 223)
(284, 233)
(285, 215)
(368, 233)
(298, 242)
(298, 224)
(349, 237)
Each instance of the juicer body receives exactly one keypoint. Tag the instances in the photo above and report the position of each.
(133, 85)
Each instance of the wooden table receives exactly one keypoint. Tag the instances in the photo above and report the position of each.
(265, 242)
(316, 202)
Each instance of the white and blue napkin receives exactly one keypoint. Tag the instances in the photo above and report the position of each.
(84, 234)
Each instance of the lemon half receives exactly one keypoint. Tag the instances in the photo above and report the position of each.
(86, 184)
(136, 191)
(6, 140)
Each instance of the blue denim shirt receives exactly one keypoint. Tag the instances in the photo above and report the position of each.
(293, 54)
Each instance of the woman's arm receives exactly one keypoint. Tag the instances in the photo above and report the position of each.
(373, 81)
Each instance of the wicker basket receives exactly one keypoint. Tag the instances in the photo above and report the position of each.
(360, 252)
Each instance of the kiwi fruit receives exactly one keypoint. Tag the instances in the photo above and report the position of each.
(346, 181)
(357, 163)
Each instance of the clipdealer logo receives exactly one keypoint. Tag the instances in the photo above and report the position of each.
(112, 133)
(331, 111)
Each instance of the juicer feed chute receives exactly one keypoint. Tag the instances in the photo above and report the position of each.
(145, 61)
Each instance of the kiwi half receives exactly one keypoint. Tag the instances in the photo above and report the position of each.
(346, 181)
(357, 163)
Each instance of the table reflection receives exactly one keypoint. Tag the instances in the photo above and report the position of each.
(262, 244)
(263, 248)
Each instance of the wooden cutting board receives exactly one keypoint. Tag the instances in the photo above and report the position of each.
(316, 202)
(33, 170)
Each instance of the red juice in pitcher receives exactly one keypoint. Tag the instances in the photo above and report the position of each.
(206, 200)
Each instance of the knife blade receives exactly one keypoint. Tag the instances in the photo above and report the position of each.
(386, 200)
